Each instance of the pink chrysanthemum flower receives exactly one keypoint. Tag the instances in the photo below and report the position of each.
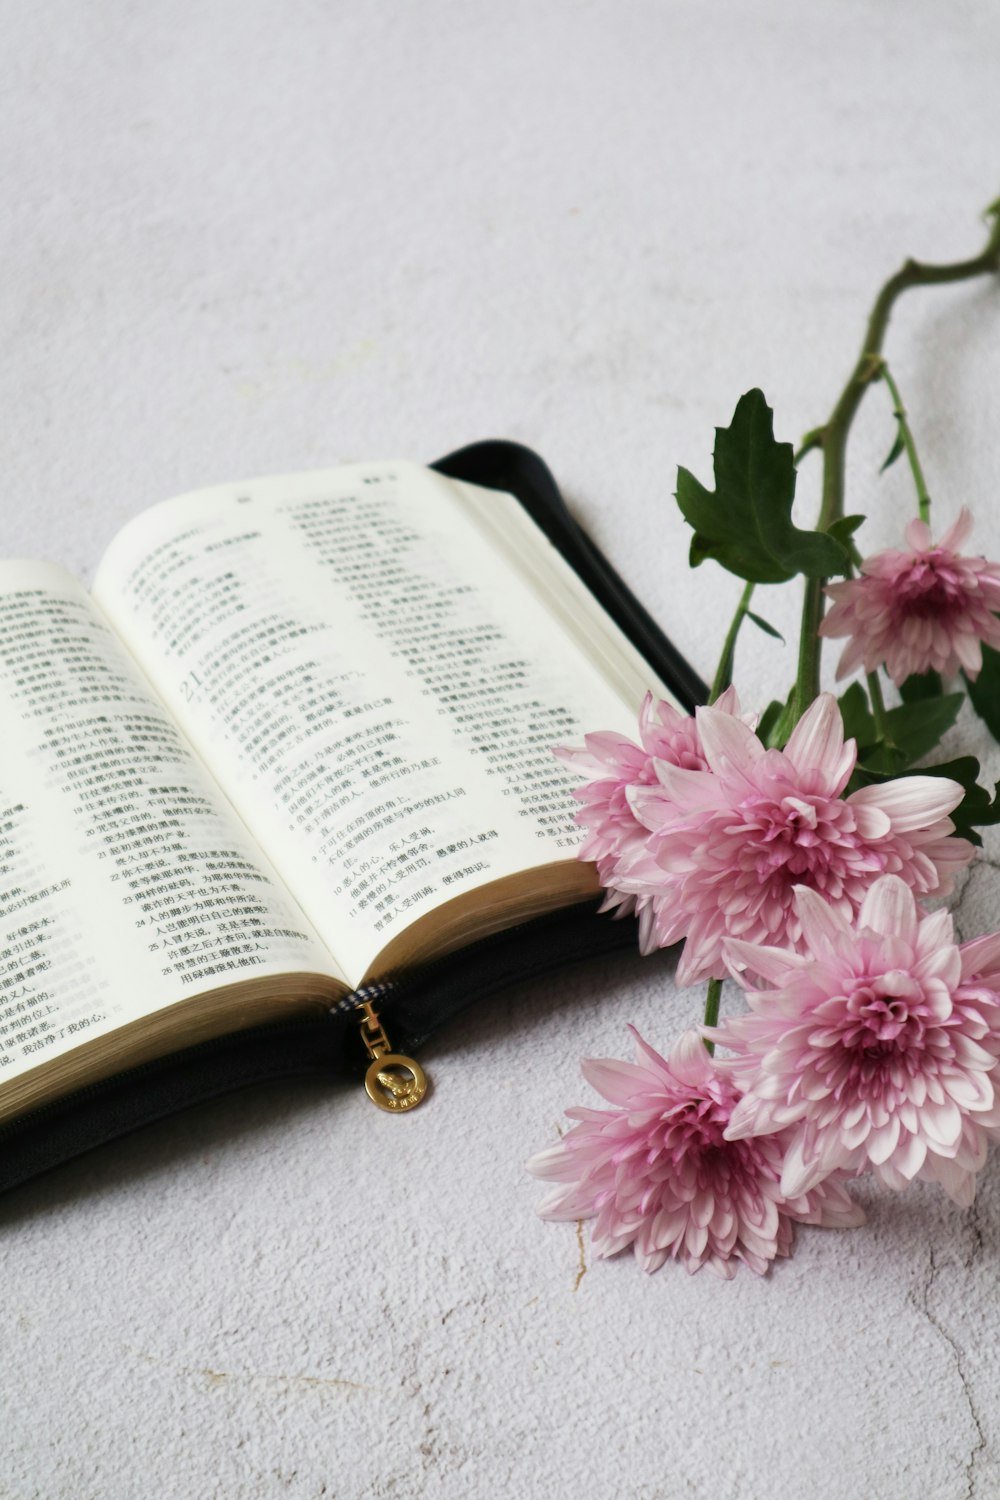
(922, 610)
(611, 763)
(727, 845)
(875, 1049)
(658, 1173)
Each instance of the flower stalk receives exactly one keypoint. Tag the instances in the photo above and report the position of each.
(724, 671)
(722, 679)
(905, 433)
(878, 708)
(832, 438)
(711, 1018)
(871, 1039)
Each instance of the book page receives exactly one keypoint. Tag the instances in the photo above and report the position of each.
(126, 883)
(511, 531)
(375, 685)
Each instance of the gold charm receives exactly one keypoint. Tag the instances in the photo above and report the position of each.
(394, 1082)
(387, 1086)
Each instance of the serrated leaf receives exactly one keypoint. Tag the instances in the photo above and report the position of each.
(898, 448)
(984, 693)
(977, 808)
(745, 523)
(921, 685)
(763, 625)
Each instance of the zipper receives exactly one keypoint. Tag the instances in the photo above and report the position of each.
(338, 1042)
(270, 1031)
(394, 1095)
(393, 1082)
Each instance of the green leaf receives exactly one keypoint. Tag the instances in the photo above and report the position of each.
(912, 730)
(844, 528)
(985, 691)
(763, 625)
(775, 723)
(745, 523)
(883, 759)
(768, 719)
(921, 685)
(917, 726)
(897, 449)
(858, 722)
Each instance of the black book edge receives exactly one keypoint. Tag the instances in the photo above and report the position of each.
(413, 1008)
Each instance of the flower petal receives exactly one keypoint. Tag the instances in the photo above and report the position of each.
(918, 535)
(912, 802)
(551, 1163)
(728, 702)
(958, 533)
(817, 743)
(647, 1053)
(618, 1082)
(889, 908)
(822, 923)
(761, 959)
(728, 743)
(981, 956)
(799, 1176)
(689, 1057)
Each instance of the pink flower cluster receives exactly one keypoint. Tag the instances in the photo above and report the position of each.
(875, 1049)
(660, 1173)
(872, 1039)
(615, 767)
(920, 610)
(706, 833)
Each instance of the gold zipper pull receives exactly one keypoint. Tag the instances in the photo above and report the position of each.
(386, 1083)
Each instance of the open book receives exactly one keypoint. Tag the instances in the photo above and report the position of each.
(297, 739)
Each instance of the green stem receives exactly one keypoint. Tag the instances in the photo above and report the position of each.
(874, 685)
(712, 1008)
(878, 708)
(724, 672)
(834, 435)
(923, 498)
(813, 439)
(832, 438)
(723, 677)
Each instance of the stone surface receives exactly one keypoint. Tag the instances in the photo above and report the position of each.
(248, 237)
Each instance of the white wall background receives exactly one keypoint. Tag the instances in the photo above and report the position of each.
(244, 237)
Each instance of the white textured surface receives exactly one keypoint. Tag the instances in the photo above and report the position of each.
(247, 237)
